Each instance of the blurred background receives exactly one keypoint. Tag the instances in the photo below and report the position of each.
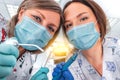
(111, 7)
(61, 49)
(8, 7)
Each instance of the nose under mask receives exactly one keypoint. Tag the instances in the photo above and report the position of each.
(30, 32)
(83, 36)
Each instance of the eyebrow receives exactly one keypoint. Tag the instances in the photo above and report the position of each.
(80, 14)
(52, 24)
(41, 14)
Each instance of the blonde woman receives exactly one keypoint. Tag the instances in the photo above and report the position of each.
(36, 22)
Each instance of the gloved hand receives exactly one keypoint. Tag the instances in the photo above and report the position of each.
(41, 74)
(8, 57)
(66, 75)
(2, 78)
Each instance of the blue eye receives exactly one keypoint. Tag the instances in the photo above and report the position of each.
(51, 29)
(36, 18)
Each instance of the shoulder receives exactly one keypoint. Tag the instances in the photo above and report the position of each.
(111, 46)
(111, 41)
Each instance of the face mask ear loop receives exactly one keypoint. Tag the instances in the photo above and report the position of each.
(96, 22)
(95, 25)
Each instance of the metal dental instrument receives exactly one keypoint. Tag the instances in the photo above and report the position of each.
(40, 62)
(13, 41)
(39, 57)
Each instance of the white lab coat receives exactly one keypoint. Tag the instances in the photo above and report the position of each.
(81, 69)
(22, 68)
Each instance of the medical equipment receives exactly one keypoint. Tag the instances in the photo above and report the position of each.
(67, 64)
(41, 61)
(39, 57)
(33, 32)
(13, 41)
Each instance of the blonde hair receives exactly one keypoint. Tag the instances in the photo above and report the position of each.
(28, 4)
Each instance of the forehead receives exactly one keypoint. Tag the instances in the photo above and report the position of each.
(49, 15)
(45, 12)
(76, 8)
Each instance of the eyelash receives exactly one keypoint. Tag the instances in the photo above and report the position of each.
(83, 19)
(68, 26)
(51, 29)
(38, 19)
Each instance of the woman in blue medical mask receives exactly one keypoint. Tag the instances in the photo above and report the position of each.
(36, 22)
(98, 55)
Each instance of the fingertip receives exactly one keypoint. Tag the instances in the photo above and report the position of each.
(68, 75)
(14, 51)
(54, 74)
(8, 49)
(58, 70)
(44, 69)
(7, 60)
(62, 63)
(5, 71)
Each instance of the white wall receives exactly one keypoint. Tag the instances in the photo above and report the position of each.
(4, 8)
(111, 7)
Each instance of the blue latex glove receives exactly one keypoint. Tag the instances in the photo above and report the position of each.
(8, 57)
(41, 74)
(2, 78)
(66, 74)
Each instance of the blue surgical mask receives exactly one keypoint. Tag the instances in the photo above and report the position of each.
(30, 32)
(83, 36)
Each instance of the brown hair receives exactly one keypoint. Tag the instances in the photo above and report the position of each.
(28, 4)
(98, 12)
(39, 4)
